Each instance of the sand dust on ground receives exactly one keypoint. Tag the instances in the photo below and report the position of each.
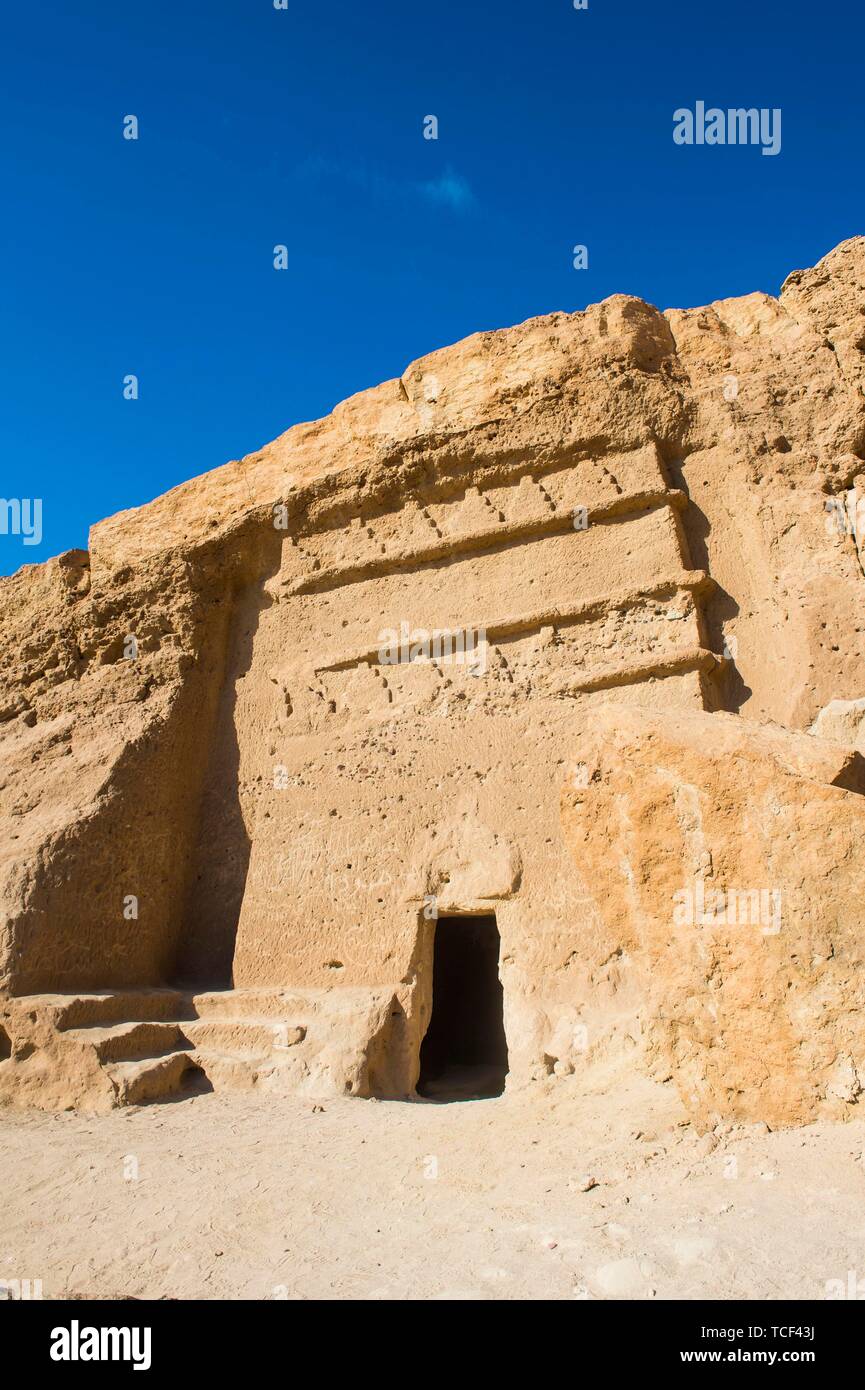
(553, 1192)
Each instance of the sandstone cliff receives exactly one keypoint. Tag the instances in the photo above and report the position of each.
(654, 509)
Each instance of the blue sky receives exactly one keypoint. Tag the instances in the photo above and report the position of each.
(304, 127)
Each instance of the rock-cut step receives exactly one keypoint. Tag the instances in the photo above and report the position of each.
(256, 1036)
(103, 1008)
(149, 1078)
(134, 1046)
(131, 1041)
(144, 1059)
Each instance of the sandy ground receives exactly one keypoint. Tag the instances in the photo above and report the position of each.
(258, 1197)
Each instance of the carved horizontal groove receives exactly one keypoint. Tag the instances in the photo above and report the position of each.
(450, 482)
(488, 538)
(676, 664)
(696, 582)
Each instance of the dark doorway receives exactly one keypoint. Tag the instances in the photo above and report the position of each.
(464, 1055)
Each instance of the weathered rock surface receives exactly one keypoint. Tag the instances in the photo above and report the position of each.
(843, 721)
(213, 781)
(723, 857)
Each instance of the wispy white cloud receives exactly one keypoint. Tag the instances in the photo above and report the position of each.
(449, 190)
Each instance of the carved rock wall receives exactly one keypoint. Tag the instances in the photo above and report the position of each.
(631, 507)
